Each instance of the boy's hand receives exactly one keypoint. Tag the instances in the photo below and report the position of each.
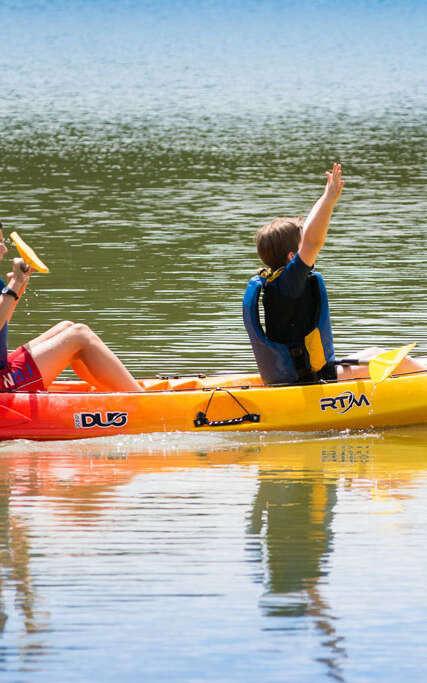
(334, 184)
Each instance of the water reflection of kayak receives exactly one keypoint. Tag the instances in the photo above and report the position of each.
(387, 460)
(233, 402)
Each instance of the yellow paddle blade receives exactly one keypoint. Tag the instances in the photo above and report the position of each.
(28, 254)
(383, 365)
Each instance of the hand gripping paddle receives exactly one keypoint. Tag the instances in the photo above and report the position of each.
(29, 256)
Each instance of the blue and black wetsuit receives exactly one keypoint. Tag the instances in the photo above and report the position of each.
(297, 345)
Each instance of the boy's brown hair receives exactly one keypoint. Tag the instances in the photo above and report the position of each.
(275, 240)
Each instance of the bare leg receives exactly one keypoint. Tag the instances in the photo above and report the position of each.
(81, 371)
(78, 367)
(412, 365)
(51, 332)
(78, 345)
(362, 371)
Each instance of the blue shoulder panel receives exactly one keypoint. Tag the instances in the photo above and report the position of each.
(324, 324)
(274, 361)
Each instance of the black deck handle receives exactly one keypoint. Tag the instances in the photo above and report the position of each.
(201, 420)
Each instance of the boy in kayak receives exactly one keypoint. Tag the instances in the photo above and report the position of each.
(35, 365)
(297, 345)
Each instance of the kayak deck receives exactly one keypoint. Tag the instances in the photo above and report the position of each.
(171, 383)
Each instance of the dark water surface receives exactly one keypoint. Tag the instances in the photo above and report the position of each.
(142, 144)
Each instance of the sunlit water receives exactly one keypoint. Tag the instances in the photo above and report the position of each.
(215, 558)
(141, 147)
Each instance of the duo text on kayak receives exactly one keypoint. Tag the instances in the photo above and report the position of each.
(111, 419)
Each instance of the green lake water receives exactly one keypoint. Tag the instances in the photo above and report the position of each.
(141, 147)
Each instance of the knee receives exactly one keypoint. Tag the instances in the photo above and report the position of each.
(64, 325)
(83, 333)
(373, 351)
(369, 353)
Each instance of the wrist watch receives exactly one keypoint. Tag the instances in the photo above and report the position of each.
(8, 291)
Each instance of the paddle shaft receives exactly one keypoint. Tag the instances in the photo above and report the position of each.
(352, 361)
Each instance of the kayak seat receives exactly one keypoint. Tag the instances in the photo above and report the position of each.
(155, 384)
(171, 384)
(182, 384)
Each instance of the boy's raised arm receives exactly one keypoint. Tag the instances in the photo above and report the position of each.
(317, 222)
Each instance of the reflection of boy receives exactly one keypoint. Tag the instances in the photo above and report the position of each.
(298, 343)
(296, 520)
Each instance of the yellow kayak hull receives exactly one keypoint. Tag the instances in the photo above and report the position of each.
(234, 402)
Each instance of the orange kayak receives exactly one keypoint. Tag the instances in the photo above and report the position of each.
(233, 402)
